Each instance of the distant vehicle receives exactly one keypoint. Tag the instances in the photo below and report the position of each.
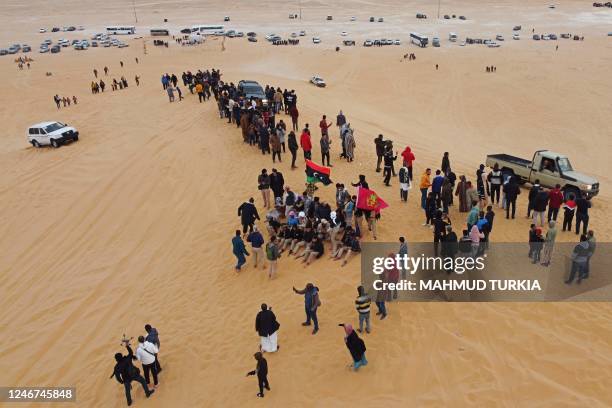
(516, 37)
(55, 29)
(186, 31)
(517, 28)
(55, 49)
(546, 37)
(397, 42)
(252, 39)
(316, 40)
(80, 28)
(367, 43)
(226, 18)
(302, 33)
(294, 35)
(13, 50)
(565, 35)
(123, 45)
(609, 34)
(42, 30)
(51, 134)
(120, 30)
(421, 15)
(552, 36)
(94, 44)
(251, 34)
(43, 50)
(269, 37)
(291, 16)
(47, 41)
(252, 89)
(462, 44)
(26, 48)
(372, 19)
(536, 37)
(3, 51)
(239, 34)
(549, 168)
(551, 6)
(230, 33)
(462, 18)
(446, 17)
(452, 37)
(381, 20)
(155, 32)
(353, 18)
(318, 81)
(344, 34)
(108, 44)
(348, 43)
(493, 44)
(71, 28)
(435, 42)
(419, 39)
(329, 18)
(499, 37)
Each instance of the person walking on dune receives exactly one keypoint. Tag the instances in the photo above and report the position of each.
(356, 347)
(239, 250)
(125, 372)
(153, 337)
(267, 327)
(145, 353)
(261, 371)
(248, 214)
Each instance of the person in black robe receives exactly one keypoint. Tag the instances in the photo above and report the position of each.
(356, 347)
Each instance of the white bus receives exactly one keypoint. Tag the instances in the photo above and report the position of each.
(452, 37)
(207, 29)
(419, 39)
(120, 30)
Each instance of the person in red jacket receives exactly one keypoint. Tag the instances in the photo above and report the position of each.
(324, 125)
(306, 143)
(555, 199)
(408, 159)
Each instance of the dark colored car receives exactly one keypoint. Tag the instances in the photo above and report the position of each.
(252, 89)
(252, 39)
(186, 31)
(55, 29)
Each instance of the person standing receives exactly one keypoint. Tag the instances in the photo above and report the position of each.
(362, 304)
(325, 142)
(436, 187)
(239, 250)
(261, 370)
(340, 120)
(170, 91)
(539, 206)
(272, 253)
(533, 192)
(293, 147)
(306, 143)
(257, 241)
(275, 145)
(404, 180)
(153, 337)
(349, 143)
(555, 199)
(263, 181)
(408, 158)
(267, 327)
(495, 178)
(324, 125)
(145, 353)
(380, 151)
(277, 184)
(569, 208)
(549, 242)
(248, 214)
(125, 372)
(293, 112)
(389, 158)
(511, 192)
(311, 304)
(580, 258)
(445, 167)
(461, 193)
(356, 347)
(582, 214)
(424, 186)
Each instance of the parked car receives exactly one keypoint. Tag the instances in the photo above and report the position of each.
(353, 18)
(269, 37)
(367, 43)
(462, 18)
(51, 134)
(294, 35)
(517, 28)
(239, 34)
(516, 37)
(549, 168)
(446, 17)
(565, 35)
(302, 33)
(252, 39)
(80, 28)
(55, 49)
(13, 50)
(318, 81)
(42, 30)
(329, 18)
(381, 20)
(26, 48)
(55, 29)
(421, 15)
(499, 37)
(536, 37)
(493, 44)
(348, 43)
(397, 42)
(94, 43)
(435, 41)
(186, 31)
(316, 40)
(546, 37)
(71, 28)
(43, 50)
(344, 34)
(226, 18)
(552, 36)
(372, 19)
(3, 51)
(251, 34)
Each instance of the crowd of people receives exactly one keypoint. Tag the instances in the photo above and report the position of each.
(65, 100)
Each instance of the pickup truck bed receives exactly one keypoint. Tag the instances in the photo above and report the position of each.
(508, 158)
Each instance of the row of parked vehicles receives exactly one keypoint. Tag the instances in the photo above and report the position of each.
(382, 41)
(57, 29)
(15, 48)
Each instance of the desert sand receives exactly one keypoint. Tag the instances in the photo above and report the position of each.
(132, 224)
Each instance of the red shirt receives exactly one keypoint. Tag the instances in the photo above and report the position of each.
(408, 156)
(305, 142)
(324, 126)
(555, 198)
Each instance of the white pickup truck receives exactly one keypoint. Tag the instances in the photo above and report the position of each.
(550, 169)
(51, 133)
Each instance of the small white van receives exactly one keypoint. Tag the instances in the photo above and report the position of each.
(51, 133)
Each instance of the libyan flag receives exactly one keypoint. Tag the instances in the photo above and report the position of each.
(369, 200)
(316, 173)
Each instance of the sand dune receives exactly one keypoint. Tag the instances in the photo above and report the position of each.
(132, 223)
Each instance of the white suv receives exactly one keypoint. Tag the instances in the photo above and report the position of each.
(51, 133)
